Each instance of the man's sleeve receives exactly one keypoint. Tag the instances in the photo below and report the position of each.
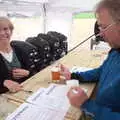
(88, 76)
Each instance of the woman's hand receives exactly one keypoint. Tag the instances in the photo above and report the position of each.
(12, 85)
(19, 73)
(77, 96)
(65, 72)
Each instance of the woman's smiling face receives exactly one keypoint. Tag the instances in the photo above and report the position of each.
(6, 29)
(5, 32)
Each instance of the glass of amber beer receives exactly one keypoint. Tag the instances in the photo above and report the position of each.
(55, 73)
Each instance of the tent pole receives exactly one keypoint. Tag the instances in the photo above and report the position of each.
(44, 17)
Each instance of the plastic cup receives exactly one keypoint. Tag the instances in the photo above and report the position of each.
(55, 73)
(72, 83)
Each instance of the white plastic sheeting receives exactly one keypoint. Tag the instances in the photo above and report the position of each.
(56, 14)
(60, 20)
(33, 1)
(83, 5)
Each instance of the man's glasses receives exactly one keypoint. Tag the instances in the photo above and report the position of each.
(104, 28)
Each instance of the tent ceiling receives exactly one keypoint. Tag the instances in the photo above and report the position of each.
(56, 14)
(37, 7)
(73, 3)
(83, 5)
(24, 1)
(37, 1)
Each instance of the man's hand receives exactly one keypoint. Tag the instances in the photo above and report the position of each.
(12, 85)
(77, 96)
(65, 72)
(19, 73)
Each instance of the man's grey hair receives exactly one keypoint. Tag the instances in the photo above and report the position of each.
(113, 7)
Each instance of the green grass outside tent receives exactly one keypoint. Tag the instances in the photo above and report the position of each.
(84, 16)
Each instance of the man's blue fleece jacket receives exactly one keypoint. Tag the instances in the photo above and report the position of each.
(106, 106)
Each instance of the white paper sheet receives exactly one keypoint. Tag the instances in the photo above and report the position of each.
(37, 94)
(54, 97)
(57, 90)
(46, 104)
(29, 112)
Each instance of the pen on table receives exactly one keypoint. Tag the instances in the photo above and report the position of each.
(17, 99)
(8, 97)
(28, 91)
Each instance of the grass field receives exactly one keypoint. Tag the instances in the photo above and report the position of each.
(84, 15)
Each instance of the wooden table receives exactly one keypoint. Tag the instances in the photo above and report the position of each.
(80, 58)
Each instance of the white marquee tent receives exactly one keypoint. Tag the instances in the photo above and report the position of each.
(56, 14)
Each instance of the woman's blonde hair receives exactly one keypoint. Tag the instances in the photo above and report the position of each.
(113, 6)
(4, 20)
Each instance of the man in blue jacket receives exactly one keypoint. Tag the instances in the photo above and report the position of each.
(106, 106)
